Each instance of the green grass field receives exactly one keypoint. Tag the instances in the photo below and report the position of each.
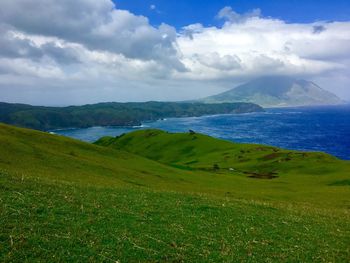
(242, 170)
(159, 197)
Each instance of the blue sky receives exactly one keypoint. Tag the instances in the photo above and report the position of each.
(180, 13)
(85, 51)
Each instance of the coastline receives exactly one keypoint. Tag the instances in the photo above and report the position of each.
(289, 128)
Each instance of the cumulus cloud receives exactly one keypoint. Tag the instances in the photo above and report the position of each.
(192, 29)
(232, 16)
(214, 60)
(95, 24)
(84, 51)
(318, 29)
(263, 46)
(13, 47)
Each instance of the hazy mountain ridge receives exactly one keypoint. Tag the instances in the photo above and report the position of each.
(281, 91)
(111, 114)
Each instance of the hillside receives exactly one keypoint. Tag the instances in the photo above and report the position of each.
(110, 114)
(196, 152)
(277, 91)
(66, 200)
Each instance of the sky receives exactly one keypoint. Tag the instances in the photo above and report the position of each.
(86, 51)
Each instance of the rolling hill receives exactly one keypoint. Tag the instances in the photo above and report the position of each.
(160, 197)
(277, 91)
(197, 153)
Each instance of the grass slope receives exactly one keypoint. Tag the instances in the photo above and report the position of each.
(38, 154)
(64, 200)
(242, 169)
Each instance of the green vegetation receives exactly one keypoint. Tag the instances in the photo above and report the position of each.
(65, 200)
(110, 114)
(294, 176)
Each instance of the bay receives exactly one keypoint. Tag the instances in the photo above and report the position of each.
(325, 129)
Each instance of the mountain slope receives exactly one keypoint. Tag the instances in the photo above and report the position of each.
(62, 200)
(277, 91)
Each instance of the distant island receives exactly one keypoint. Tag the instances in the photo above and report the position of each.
(277, 91)
(111, 114)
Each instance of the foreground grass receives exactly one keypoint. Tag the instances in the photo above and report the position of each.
(56, 222)
(64, 200)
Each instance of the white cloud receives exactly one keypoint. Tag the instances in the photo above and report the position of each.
(214, 60)
(265, 46)
(67, 52)
(232, 16)
(95, 24)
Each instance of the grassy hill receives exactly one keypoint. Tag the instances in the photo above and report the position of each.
(289, 175)
(65, 200)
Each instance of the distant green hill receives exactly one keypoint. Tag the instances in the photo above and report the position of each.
(277, 91)
(110, 114)
(64, 200)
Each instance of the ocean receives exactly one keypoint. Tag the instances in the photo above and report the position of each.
(325, 129)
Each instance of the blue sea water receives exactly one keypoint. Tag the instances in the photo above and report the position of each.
(324, 129)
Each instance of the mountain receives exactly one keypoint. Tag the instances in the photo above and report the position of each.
(111, 113)
(277, 91)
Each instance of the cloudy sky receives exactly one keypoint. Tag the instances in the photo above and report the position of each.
(85, 51)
